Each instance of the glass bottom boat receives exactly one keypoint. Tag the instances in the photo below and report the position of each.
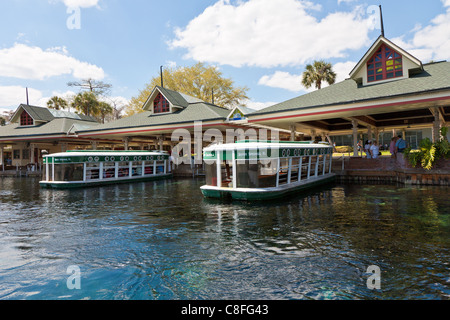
(249, 170)
(75, 169)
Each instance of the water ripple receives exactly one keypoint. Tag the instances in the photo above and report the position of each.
(162, 240)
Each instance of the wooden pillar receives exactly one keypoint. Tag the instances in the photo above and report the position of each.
(161, 142)
(436, 130)
(32, 158)
(313, 135)
(1, 157)
(126, 142)
(355, 138)
(369, 133)
(377, 135)
(64, 146)
(293, 131)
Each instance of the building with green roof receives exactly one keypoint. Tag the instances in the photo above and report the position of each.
(389, 92)
(35, 130)
(164, 112)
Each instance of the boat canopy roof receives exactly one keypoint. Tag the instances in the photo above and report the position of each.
(70, 153)
(252, 149)
(255, 144)
(80, 156)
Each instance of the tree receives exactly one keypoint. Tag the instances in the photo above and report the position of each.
(57, 103)
(104, 109)
(91, 85)
(2, 121)
(317, 73)
(86, 103)
(199, 81)
(118, 105)
(6, 116)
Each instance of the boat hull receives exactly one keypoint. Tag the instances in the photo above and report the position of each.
(74, 185)
(268, 193)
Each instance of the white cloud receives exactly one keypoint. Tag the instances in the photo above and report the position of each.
(342, 70)
(293, 82)
(258, 105)
(68, 95)
(283, 80)
(12, 96)
(267, 33)
(81, 3)
(345, 1)
(33, 63)
(77, 3)
(431, 42)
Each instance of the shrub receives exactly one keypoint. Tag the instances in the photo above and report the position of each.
(428, 152)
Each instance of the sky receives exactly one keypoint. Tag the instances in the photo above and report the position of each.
(264, 45)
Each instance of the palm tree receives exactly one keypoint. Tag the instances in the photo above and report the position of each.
(86, 103)
(318, 72)
(104, 109)
(57, 103)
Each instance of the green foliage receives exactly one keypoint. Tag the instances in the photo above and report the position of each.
(199, 81)
(87, 103)
(57, 103)
(318, 72)
(429, 152)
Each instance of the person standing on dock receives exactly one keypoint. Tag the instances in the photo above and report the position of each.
(400, 145)
(374, 150)
(392, 147)
(367, 149)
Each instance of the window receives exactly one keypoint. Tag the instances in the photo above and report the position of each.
(26, 154)
(384, 64)
(69, 172)
(263, 174)
(211, 173)
(16, 154)
(160, 104)
(25, 119)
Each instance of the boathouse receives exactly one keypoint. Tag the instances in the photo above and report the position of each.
(388, 92)
(36, 131)
(166, 111)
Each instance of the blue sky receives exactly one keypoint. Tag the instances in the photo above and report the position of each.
(262, 44)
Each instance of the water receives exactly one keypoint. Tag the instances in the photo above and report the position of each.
(162, 240)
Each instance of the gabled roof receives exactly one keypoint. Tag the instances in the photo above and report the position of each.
(375, 47)
(58, 127)
(50, 123)
(241, 110)
(434, 77)
(41, 114)
(177, 99)
(200, 111)
(37, 113)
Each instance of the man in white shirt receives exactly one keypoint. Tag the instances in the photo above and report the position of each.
(375, 150)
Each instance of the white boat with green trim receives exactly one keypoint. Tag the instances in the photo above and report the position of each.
(75, 169)
(252, 170)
